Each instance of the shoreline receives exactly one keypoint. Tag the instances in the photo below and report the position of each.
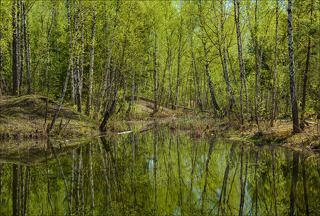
(23, 118)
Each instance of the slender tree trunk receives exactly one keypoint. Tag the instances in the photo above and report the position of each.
(155, 75)
(81, 58)
(1, 66)
(318, 101)
(243, 82)
(257, 67)
(179, 65)
(210, 84)
(22, 46)
(78, 53)
(274, 81)
(294, 106)
(18, 42)
(15, 68)
(196, 78)
(206, 52)
(166, 70)
(47, 80)
(65, 85)
(223, 56)
(305, 75)
(89, 101)
(1, 91)
(27, 48)
(107, 75)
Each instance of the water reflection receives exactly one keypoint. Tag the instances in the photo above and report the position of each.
(160, 173)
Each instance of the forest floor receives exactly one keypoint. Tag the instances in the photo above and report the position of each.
(24, 118)
(28, 116)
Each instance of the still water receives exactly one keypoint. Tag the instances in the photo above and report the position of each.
(159, 173)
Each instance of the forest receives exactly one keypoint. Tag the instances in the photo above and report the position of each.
(249, 61)
(175, 107)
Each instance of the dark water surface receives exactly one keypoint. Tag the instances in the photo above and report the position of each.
(160, 173)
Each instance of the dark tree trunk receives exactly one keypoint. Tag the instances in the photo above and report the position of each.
(107, 114)
(18, 30)
(305, 75)
(15, 47)
(1, 66)
(155, 75)
(210, 84)
(294, 106)
(22, 45)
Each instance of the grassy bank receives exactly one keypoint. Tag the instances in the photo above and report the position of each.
(199, 125)
(28, 116)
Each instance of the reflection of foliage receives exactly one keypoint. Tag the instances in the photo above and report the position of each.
(159, 173)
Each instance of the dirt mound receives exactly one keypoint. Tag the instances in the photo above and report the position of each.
(32, 106)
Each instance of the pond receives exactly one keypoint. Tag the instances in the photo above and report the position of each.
(160, 172)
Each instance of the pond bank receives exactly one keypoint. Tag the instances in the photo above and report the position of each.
(24, 118)
(202, 125)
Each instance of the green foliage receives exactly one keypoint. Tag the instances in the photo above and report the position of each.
(128, 33)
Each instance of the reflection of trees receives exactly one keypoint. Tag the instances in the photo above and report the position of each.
(294, 179)
(15, 189)
(243, 181)
(112, 177)
(222, 198)
(204, 191)
(155, 159)
(305, 189)
(20, 179)
(274, 190)
(91, 179)
(194, 154)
